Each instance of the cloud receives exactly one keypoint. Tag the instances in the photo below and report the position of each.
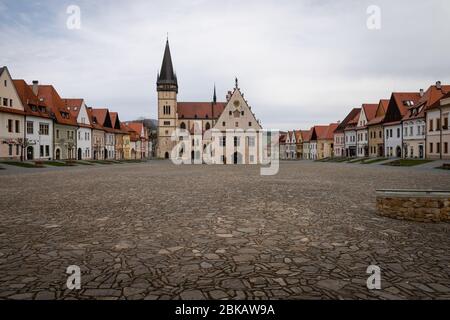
(298, 62)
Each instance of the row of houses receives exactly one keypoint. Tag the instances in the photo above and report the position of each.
(411, 125)
(37, 124)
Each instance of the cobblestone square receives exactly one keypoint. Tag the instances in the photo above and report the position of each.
(159, 231)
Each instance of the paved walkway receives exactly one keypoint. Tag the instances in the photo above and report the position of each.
(159, 231)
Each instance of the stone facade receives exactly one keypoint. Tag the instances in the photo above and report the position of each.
(415, 206)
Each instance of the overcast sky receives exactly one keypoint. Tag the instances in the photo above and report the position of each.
(299, 63)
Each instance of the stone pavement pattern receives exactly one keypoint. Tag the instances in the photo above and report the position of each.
(159, 231)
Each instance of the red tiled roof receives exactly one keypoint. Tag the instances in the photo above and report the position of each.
(200, 110)
(330, 131)
(282, 137)
(380, 113)
(430, 97)
(54, 101)
(74, 107)
(31, 103)
(401, 97)
(370, 110)
(136, 127)
(347, 119)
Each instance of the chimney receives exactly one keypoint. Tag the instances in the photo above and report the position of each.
(438, 85)
(421, 92)
(35, 87)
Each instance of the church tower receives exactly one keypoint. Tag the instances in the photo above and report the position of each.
(167, 88)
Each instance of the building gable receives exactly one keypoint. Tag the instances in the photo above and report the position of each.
(9, 91)
(237, 114)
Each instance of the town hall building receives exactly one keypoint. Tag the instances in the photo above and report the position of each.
(238, 128)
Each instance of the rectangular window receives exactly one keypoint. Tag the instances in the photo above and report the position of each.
(438, 124)
(41, 151)
(10, 125)
(438, 147)
(17, 149)
(236, 141)
(430, 125)
(10, 149)
(398, 132)
(431, 147)
(250, 124)
(47, 151)
(10, 102)
(17, 126)
(223, 141)
(251, 141)
(43, 129)
(445, 126)
(445, 147)
(30, 127)
(167, 123)
(5, 102)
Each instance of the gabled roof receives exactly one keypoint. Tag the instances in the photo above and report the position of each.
(134, 136)
(430, 97)
(330, 131)
(103, 119)
(137, 127)
(438, 103)
(398, 105)
(298, 135)
(352, 114)
(282, 138)
(74, 106)
(32, 104)
(380, 113)
(305, 134)
(370, 110)
(352, 123)
(2, 69)
(318, 131)
(200, 110)
(56, 104)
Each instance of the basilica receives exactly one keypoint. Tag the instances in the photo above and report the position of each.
(239, 130)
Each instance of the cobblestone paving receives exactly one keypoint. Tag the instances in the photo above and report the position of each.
(158, 231)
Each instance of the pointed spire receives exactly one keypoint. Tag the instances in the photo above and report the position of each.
(236, 82)
(214, 95)
(167, 74)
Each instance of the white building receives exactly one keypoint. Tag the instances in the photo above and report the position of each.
(362, 132)
(38, 123)
(78, 109)
(393, 139)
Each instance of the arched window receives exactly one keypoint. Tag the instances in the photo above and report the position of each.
(183, 125)
(207, 126)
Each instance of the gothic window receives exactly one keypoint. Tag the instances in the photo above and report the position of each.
(207, 126)
(183, 125)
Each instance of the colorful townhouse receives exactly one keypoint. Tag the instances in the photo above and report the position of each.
(300, 136)
(79, 111)
(362, 132)
(339, 134)
(103, 118)
(118, 136)
(306, 144)
(350, 135)
(375, 127)
(325, 142)
(392, 124)
(438, 131)
(141, 144)
(12, 117)
(38, 144)
(65, 124)
(291, 146)
(98, 136)
(414, 121)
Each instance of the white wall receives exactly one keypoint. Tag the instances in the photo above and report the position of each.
(36, 139)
